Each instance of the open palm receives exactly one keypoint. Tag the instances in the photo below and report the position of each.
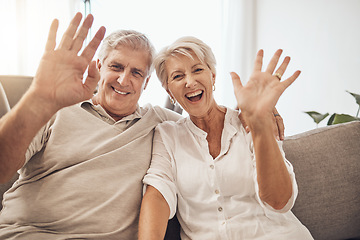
(261, 93)
(59, 78)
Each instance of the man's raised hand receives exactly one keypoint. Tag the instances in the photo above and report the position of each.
(59, 79)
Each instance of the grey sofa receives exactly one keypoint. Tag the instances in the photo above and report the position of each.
(327, 167)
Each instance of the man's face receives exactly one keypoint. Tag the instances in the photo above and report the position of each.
(123, 77)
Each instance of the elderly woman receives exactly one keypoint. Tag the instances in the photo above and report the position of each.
(222, 182)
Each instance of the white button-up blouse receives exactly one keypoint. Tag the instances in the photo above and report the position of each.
(217, 198)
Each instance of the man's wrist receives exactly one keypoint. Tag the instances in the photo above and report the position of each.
(37, 105)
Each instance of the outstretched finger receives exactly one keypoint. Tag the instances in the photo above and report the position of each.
(274, 61)
(258, 61)
(90, 49)
(281, 70)
(51, 40)
(286, 83)
(67, 39)
(82, 33)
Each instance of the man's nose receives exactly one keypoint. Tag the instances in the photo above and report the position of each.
(124, 78)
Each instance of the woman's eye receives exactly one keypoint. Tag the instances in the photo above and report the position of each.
(177, 77)
(198, 70)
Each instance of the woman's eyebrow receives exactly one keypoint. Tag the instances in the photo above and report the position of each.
(196, 64)
(175, 71)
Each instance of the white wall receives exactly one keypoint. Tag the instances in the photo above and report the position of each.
(323, 39)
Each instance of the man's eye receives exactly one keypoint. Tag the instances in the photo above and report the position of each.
(115, 67)
(138, 74)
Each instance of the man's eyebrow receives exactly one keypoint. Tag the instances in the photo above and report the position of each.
(115, 62)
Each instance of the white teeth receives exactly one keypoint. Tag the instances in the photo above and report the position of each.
(193, 94)
(122, 93)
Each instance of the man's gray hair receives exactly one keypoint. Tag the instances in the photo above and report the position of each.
(127, 38)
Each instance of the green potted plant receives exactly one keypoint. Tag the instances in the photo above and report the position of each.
(336, 118)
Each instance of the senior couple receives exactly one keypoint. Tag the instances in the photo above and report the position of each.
(82, 158)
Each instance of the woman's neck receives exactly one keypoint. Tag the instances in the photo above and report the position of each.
(212, 124)
(211, 120)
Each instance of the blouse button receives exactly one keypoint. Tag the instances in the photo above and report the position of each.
(217, 191)
(220, 209)
(212, 166)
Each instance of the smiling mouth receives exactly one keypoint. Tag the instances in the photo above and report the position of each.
(119, 92)
(194, 96)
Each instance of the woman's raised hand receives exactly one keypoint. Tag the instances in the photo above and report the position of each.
(59, 79)
(257, 99)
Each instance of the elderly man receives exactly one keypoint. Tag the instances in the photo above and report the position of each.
(80, 161)
(80, 165)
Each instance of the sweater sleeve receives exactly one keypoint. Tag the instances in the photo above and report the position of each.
(39, 141)
(167, 114)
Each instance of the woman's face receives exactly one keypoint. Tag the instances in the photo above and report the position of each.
(190, 82)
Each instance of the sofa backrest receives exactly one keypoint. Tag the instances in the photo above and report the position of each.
(327, 168)
(15, 86)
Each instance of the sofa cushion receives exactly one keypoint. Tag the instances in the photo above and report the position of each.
(327, 167)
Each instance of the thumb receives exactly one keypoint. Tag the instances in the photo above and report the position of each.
(92, 78)
(236, 81)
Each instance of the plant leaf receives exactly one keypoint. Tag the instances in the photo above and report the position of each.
(343, 118)
(331, 119)
(356, 96)
(317, 117)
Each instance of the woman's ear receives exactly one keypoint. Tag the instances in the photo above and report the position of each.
(213, 78)
(170, 94)
(172, 99)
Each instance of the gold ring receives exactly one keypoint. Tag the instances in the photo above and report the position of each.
(278, 75)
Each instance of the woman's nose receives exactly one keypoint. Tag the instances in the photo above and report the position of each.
(190, 81)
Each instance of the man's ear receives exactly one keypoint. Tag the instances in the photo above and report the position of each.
(146, 82)
(98, 64)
